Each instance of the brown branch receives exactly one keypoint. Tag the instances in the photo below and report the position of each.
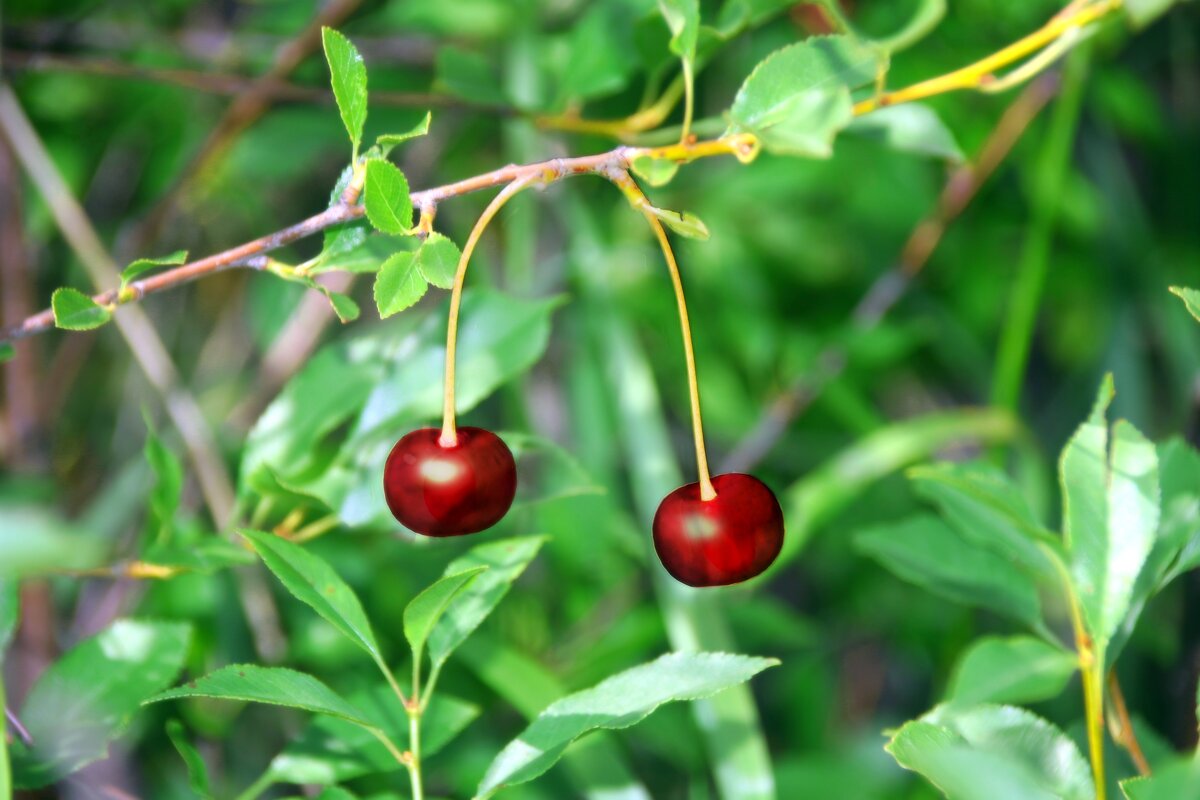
(962, 186)
(251, 253)
(1120, 726)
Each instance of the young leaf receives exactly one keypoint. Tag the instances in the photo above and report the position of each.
(1190, 298)
(438, 258)
(84, 700)
(144, 265)
(1019, 669)
(399, 284)
(196, 769)
(909, 128)
(1110, 514)
(655, 171)
(313, 582)
(798, 98)
(1142, 12)
(385, 195)
(987, 752)
(389, 140)
(926, 551)
(331, 750)
(683, 18)
(684, 223)
(623, 700)
(427, 608)
(276, 686)
(505, 560)
(348, 76)
(75, 311)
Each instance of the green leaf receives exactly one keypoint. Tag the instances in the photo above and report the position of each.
(655, 171)
(990, 511)
(988, 752)
(925, 551)
(438, 258)
(504, 560)
(798, 98)
(144, 265)
(385, 195)
(331, 750)
(35, 541)
(597, 55)
(87, 698)
(1190, 297)
(1110, 515)
(623, 700)
(275, 686)
(388, 141)
(75, 311)
(343, 306)
(399, 284)
(908, 128)
(1018, 669)
(424, 611)
(168, 485)
(683, 18)
(358, 250)
(10, 613)
(1174, 781)
(313, 582)
(196, 769)
(204, 554)
(348, 76)
(684, 223)
(1142, 12)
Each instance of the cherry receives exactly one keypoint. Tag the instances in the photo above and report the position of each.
(727, 539)
(449, 490)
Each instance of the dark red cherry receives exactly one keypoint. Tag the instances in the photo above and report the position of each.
(728, 539)
(449, 491)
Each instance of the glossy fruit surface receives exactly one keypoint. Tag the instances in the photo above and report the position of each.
(449, 491)
(728, 539)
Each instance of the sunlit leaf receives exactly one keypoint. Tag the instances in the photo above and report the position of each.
(348, 76)
(144, 265)
(75, 311)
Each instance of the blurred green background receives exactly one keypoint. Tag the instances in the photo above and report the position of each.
(796, 245)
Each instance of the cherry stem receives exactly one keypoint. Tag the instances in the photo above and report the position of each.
(449, 436)
(631, 190)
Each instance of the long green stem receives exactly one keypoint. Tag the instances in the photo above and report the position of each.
(1050, 178)
(260, 785)
(5, 770)
(414, 710)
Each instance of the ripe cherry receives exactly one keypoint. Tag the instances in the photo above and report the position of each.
(449, 490)
(728, 539)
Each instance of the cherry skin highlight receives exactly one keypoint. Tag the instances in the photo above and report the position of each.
(728, 539)
(449, 491)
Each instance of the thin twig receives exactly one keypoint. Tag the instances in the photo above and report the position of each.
(964, 183)
(1120, 726)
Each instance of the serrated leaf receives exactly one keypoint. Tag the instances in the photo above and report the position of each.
(908, 128)
(75, 311)
(424, 611)
(362, 253)
(85, 699)
(623, 700)
(1017, 669)
(798, 98)
(1142, 12)
(655, 171)
(144, 265)
(684, 223)
(437, 258)
(313, 582)
(399, 284)
(927, 552)
(1175, 781)
(1110, 514)
(987, 752)
(348, 77)
(331, 750)
(683, 18)
(504, 560)
(385, 195)
(1190, 298)
(276, 686)
(197, 770)
(343, 305)
(389, 140)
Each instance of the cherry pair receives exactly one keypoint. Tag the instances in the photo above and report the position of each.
(456, 481)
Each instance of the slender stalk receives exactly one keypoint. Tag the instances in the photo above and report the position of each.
(414, 709)
(5, 770)
(689, 100)
(639, 201)
(260, 785)
(1121, 726)
(449, 435)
